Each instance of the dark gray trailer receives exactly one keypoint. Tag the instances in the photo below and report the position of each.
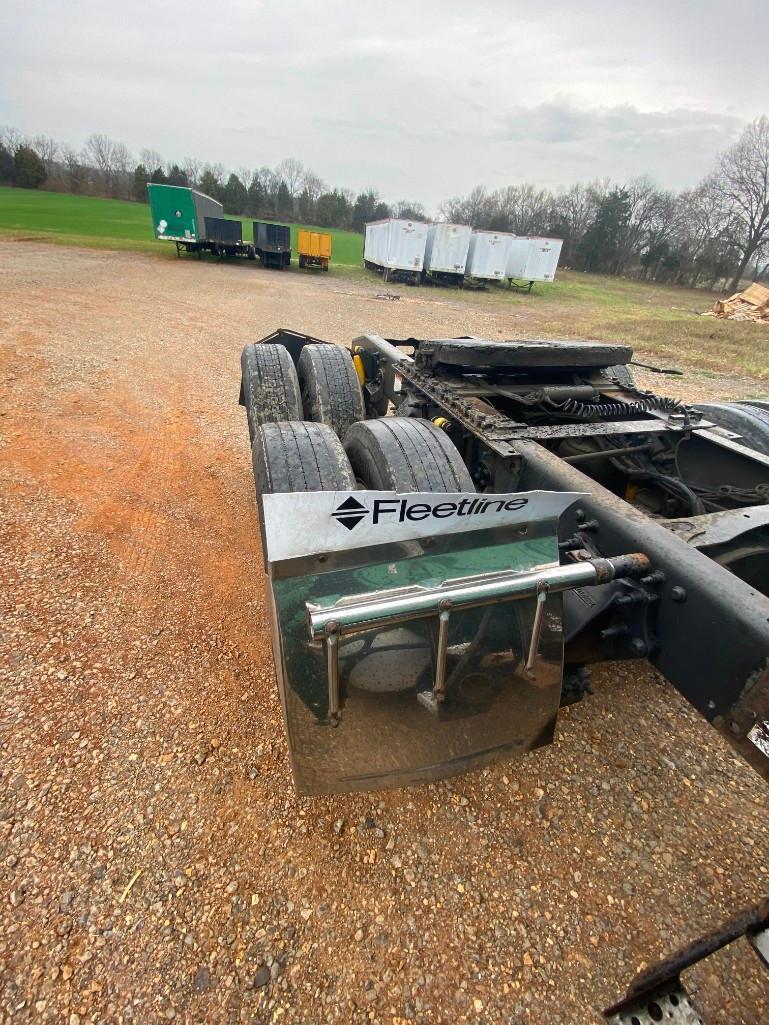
(272, 243)
(225, 238)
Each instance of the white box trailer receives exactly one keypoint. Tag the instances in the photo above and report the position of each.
(446, 250)
(396, 247)
(488, 254)
(533, 259)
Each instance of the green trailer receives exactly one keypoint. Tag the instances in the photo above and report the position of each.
(179, 214)
(194, 222)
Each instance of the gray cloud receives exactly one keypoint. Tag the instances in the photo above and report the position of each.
(421, 99)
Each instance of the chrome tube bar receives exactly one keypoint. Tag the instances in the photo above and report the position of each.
(379, 610)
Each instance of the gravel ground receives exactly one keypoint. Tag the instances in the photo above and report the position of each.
(156, 864)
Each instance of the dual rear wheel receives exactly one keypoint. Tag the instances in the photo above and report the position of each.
(308, 431)
(388, 454)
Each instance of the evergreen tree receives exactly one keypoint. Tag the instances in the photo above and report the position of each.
(255, 200)
(365, 208)
(234, 195)
(28, 168)
(602, 241)
(141, 178)
(210, 186)
(177, 177)
(332, 210)
(6, 164)
(285, 203)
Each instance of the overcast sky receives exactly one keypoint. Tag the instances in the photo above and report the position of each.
(422, 100)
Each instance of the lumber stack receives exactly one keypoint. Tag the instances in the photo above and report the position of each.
(752, 304)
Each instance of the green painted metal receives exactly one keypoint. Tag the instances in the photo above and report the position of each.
(174, 217)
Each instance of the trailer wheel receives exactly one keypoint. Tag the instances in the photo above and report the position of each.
(269, 385)
(751, 422)
(300, 456)
(403, 454)
(331, 392)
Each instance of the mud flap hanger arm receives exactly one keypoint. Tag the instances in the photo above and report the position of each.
(383, 609)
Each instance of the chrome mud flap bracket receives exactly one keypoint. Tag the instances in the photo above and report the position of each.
(417, 636)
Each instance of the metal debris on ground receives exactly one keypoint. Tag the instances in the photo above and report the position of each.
(750, 305)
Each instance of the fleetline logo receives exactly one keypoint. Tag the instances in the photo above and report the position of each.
(351, 511)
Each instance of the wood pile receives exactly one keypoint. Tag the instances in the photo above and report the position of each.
(752, 304)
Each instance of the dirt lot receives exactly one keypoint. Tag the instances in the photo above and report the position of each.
(156, 864)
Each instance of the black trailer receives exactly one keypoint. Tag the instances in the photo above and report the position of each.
(272, 243)
(224, 237)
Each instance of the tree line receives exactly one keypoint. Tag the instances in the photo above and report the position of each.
(289, 191)
(715, 233)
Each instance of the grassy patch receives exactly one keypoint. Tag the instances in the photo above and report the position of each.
(117, 224)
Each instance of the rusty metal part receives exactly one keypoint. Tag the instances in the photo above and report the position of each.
(669, 1003)
(745, 923)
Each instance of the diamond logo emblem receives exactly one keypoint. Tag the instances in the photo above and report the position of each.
(350, 512)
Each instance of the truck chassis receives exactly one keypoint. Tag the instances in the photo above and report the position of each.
(648, 519)
(700, 624)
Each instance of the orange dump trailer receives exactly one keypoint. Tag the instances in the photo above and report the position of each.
(314, 248)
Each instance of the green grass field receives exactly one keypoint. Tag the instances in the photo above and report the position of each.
(116, 224)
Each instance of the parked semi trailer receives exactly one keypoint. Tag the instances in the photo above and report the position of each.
(314, 248)
(533, 259)
(194, 222)
(456, 529)
(396, 248)
(446, 252)
(487, 256)
(272, 243)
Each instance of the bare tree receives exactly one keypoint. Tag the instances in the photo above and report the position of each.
(742, 178)
(11, 138)
(268, 180)
(313, 186)
(523, 209)
(151, 159)
(698, 234)
(292, 172)
(575, 210)
(48, 151)
(471, 209)
(408, 210)
(100, 152)
(121, 158)
(73, 169)
(191, 168)
(650, 223)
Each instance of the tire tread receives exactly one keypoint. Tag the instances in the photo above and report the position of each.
(270, 385)
(330, 390)
(403, 454)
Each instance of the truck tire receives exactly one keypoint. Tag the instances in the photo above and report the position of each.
(331, 392)
(402, 454)
(269, 385)
(750, 422)
(289, 457)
